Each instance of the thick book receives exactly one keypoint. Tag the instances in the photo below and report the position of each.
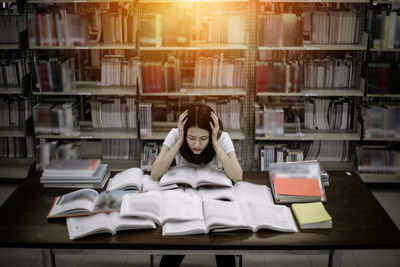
(296, 182)
(162, 206)
(97, 176)
(242, 192)
(85, 202)
(79, 227)
(241, 216)
(195, 177)
(311, 215)
(78, 183)
(71, 167)
(133, 179)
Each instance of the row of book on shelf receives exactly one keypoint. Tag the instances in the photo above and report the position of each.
(10, 26)
(382, 121)
(56, 75)
(372, 159)
(294, 76)
(328, 114)
(321, 150)
(315, 27)
(11, 72)
(386, 29)
(383, 77)
(183, 202)
(61, 118)
(14, 111)
(16, 147)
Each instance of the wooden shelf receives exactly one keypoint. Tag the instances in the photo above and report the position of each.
(74, 1)
(197, 47)
(316, 47)
(12, 132)
(96, 89)
(15, 167)
(161, 134)
(383, 139)
(314, 136)
(97, 133)
(379, 178)
(85, 47)
(383, 95)
(318, 92)
(191, 1)
(10, 90)
(314, 1)
(8, 46)
(202, 92)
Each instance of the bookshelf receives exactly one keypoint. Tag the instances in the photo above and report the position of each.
(16, 142)
(317, 45)
(378, 150)
(191, 52)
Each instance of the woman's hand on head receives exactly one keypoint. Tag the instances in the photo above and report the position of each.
(181, 126)
(215, 128)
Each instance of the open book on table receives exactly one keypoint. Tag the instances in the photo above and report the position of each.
(195, 177)
(133, 179)
(162, 206)
(296, 182)
(221, 216)
(242, 192)
(84, 202)
(82, 226)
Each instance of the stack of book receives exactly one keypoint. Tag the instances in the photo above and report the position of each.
(296, 182)
(75, 173)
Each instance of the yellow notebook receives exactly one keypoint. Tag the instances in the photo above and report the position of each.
(312, 215)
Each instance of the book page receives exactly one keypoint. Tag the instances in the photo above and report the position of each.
(180, 206)
(79, 201)
(109, 201)
(274, 217)
(209, 176)
(184, 228)
(143, 205)
(87, 225)
(119, 223)
(180, 175)
(149, 184)
(220, 215)
(248, 192)
(221, 193)
(129, 179)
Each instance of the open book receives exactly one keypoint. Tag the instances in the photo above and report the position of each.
(84, 202)
(162, 206)
(242, 192)
(79, 227)
(241, 216)
(133, 179)
(296, 182)
(195, 177)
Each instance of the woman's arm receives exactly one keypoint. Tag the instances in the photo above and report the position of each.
(229, 163)
(228, 160)
(167, 154)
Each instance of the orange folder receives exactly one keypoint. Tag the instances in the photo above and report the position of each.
(297, 186)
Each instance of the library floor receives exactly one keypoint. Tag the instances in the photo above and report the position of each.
(351, 258)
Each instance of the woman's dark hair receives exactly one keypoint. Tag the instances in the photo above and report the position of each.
(199, 116)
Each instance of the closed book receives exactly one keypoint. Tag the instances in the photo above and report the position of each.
(312, 215)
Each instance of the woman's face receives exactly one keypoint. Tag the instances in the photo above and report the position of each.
(197, 139)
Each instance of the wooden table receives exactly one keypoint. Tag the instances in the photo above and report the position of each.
(359, 222)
